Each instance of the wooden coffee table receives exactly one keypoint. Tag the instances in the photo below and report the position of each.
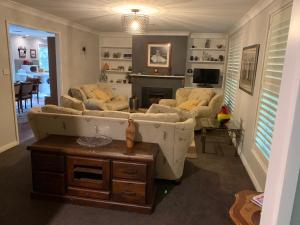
(243, 211)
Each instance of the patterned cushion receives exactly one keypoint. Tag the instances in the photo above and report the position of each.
(89, 89)
(60, 110)
(73, 103)
(191, 104)
(201, 94)
(101, 95)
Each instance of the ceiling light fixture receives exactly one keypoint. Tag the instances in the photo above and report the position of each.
(135, 23)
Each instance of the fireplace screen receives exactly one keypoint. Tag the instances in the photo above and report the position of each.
(152, 95)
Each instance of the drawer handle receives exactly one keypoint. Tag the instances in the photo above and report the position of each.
(130, 193)
(130, 172)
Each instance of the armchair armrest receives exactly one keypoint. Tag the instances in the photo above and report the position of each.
(168, 102)
(95, 104)
(201, 111)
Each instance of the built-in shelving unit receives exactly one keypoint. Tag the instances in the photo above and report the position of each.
(210, 51)
(115, 61)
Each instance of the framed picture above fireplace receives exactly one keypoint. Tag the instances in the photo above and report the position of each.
(158, 55)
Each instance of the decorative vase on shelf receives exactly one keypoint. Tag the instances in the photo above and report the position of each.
(130, 134)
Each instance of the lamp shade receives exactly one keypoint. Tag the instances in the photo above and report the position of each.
(135, 23)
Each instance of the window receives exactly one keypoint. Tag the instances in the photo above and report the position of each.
(233, 70)
(43, 57)
(272, 73)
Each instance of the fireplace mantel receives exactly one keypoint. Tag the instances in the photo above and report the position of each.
(157, 76)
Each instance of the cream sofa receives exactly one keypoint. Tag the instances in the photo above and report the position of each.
(86, 94)
(174, 137)
(208, 107)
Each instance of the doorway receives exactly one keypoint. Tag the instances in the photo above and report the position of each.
(34, 74)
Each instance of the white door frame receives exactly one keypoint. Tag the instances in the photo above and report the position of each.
(284, 162)
(58, 65)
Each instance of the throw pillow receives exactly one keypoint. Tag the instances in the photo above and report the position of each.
(101, 95)
(73, 103)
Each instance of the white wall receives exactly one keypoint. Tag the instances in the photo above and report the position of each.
(296, 216)
(75, 67)
(254, 32)
(15, 41)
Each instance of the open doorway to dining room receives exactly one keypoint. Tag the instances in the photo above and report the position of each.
(34, 73)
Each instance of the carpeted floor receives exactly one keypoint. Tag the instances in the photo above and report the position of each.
(202, 198)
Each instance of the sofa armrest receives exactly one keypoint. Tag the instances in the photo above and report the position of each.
(95, 104)
(168, 102)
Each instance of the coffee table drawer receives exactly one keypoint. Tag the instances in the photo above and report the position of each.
(88, 193)
(130, 171)
(47, 162)
(130, 192)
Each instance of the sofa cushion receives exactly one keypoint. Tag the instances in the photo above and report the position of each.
(191, 104)
(101, 95)
(60, 110)
(201, 94)
(113, 114)
(159, 117)
(106, 88)
(117, 105)
(89, 89)
(182, 95)
(95, 104)
(73, 103)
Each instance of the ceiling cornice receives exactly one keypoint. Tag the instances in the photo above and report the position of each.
(253, 12)
(161, 33)
(38, 13)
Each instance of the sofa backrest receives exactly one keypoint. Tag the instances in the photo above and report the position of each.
(84, 91)
(200, 94)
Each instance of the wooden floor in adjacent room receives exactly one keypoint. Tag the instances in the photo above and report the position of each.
(202, 198)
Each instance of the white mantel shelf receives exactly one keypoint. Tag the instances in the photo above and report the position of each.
(157, 76)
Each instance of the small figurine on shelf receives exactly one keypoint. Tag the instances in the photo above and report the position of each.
(221, 58)
(105, 67)
(106, 54)
(207, 43)
(130, 135)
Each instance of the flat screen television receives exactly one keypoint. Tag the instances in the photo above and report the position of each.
(206, 76)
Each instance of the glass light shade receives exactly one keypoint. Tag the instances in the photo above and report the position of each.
(135, 23)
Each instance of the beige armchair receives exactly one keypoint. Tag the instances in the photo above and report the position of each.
(208, 103)
(99, 97)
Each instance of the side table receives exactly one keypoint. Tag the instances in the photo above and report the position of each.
(212, 124)
(243, 211)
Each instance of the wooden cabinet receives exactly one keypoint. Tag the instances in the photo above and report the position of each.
(104, 177)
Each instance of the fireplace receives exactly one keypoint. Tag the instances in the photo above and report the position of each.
(151, 95)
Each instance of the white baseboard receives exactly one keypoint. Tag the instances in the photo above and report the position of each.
(255, 182)
(8, 146)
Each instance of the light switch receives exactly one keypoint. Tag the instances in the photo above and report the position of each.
(5, 72)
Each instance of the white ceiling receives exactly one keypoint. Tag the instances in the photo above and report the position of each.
(172, 15)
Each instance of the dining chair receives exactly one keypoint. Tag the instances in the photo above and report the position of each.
(17, 88)
(26, 93)
(36, 86)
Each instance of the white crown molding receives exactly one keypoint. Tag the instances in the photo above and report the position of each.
(161, 33)
(38, 13)
(254, 11)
